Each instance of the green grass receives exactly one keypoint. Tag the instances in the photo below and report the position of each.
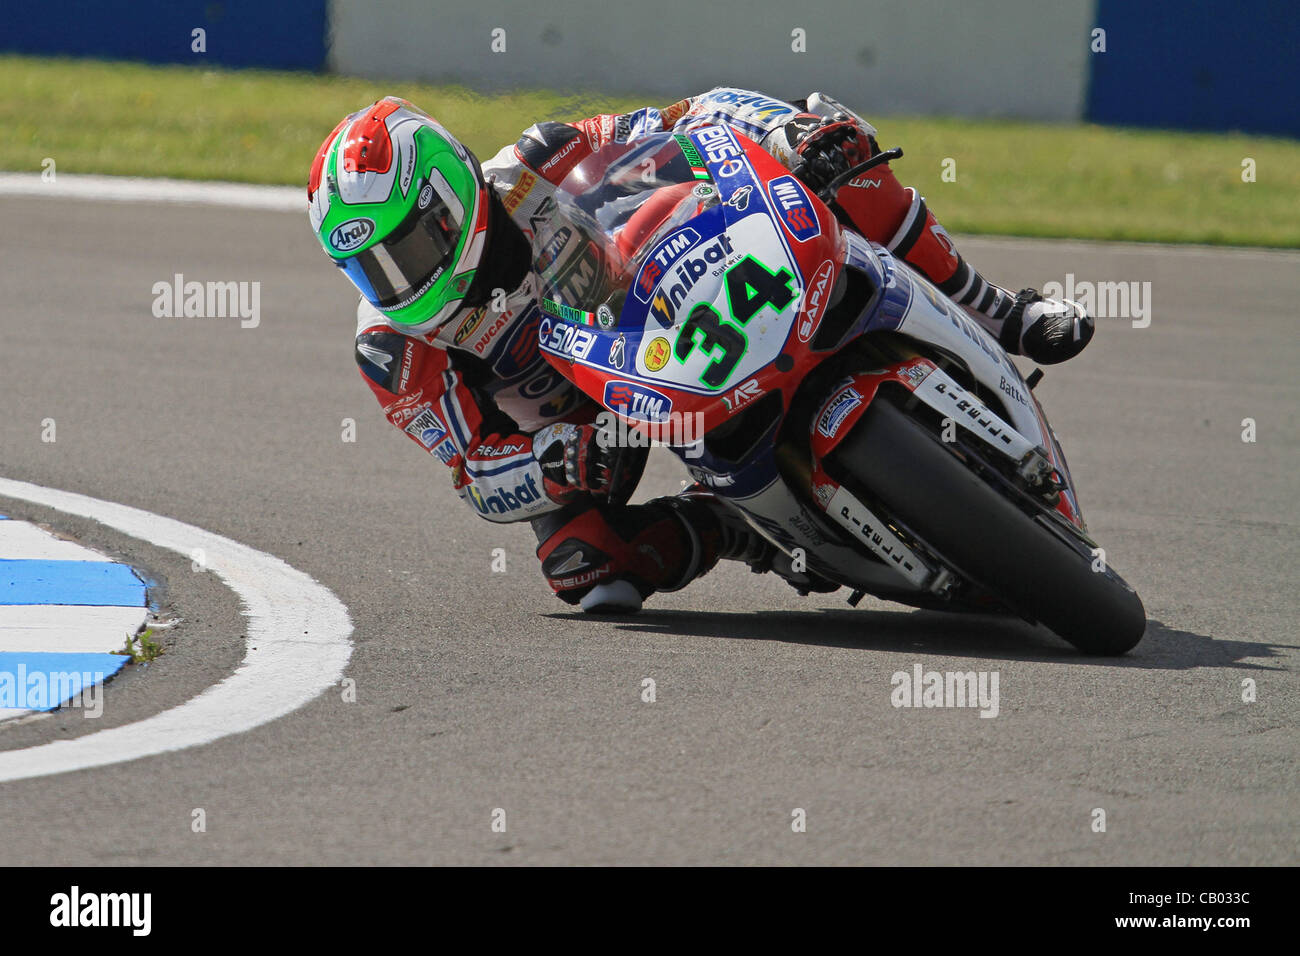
(1011, 177)
(141, 648)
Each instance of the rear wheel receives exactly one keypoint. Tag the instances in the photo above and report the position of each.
(897, 462)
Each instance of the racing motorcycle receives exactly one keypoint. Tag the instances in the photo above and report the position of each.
(835, 399)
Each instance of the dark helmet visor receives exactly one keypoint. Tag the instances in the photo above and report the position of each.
(393, 273)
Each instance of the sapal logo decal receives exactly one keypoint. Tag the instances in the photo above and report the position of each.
(636, 402)
(815, 298)
(836, 410)
(427, 428)
(351, 234)
(657, 353)
(661, 259)
(672, 114)
(794, 207)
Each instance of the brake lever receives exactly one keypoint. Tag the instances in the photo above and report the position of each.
(827, 193)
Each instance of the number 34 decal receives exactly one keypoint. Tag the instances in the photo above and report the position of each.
(750, 287)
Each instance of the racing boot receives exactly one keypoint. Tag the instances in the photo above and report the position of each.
(1045, 330)
(609, 558)
(882, 209)
(736, 540)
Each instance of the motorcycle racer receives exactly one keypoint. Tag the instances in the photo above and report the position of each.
(447, 325)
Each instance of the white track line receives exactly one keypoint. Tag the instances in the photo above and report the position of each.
(138, 189)
(67, 628)
(300, 629)
(23, 540)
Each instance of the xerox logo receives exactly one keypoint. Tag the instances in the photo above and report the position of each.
(794, 207)
(636, 402)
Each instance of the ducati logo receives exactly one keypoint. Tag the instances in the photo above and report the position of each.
(815, 300)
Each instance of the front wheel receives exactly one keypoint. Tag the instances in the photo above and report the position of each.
(896, 461)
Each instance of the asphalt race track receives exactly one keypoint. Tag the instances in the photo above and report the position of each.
(477, 691)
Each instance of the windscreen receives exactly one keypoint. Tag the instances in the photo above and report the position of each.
(605, 219)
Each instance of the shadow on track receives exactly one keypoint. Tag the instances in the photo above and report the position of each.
(949, 635)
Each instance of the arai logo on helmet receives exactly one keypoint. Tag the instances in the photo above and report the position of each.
(426, 196)
(351, 234)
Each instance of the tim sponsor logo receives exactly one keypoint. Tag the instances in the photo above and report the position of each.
(636, 402)
(795, 208)
(922, 688)
(661, 260)
(77, 909)
(208, 300)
